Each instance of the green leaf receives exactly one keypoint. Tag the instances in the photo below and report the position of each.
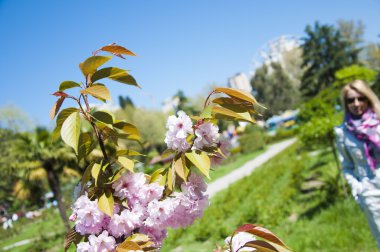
(64, 114)
(68, 84)
(95, 171)
(90, 65)
(125, 78)
(180, 168)
(107, 72)
(128, 246)
(71, 130)
(224, 113)
(87, 174)
(98, 90)
(104, 117)
(106, 203)
(57, 105)
(206, 113)
(201, 161)
(170, 181)
(128, 128)
(126, 162)
(128, 153)
(85, 145)
(237, 93)
(158, 177)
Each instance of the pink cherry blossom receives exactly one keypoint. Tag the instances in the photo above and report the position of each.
(89, 218)
(178, 130)
(102, 243)
(207, 135)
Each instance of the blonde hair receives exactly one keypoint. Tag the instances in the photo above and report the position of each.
(362, 88)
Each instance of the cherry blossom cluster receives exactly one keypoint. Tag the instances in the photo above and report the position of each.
(179, 128)
(145, 211)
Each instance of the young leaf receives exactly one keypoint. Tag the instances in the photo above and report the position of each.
(57, 105)
(237, 93)
(116, 50)
(260, 232)
(128, 153)
(98, 90)
(106, 203)
(85, 145)
(87, 174)
(95, 171)
(128, 128)
(157, 176)
(125, 78)
(261, 246)
(180, 168)
(128, 246)
(64, 114)
(224, 113)
(170, 181)
(106, 72)
(126, 162)
(104, 117)
(68, 84)
(206, 113)
(71, 237)
(90, 65)
(201, 161)
(71, 130)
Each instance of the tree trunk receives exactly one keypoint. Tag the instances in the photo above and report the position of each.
(54, 184)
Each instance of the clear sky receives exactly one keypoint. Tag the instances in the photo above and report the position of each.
(180, 44)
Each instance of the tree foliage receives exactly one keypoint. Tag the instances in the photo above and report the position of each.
(274, 89)
(325, 51)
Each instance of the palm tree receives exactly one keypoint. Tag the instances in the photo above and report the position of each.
(42, 159)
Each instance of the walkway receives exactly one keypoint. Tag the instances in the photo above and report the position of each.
(245, 170)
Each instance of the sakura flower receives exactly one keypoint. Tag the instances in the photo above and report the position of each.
(195, 187)
(102, 243)
(238, 241)
(150, 192)
(123, 224)
(128, 185)
(178, 129)
(207, 135)
(84, 247)
(89, 219)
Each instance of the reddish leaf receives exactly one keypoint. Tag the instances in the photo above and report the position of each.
(71, 237)
(261, 246)
(115, 50)
(260, 232)
(61, 94)
(57, 105)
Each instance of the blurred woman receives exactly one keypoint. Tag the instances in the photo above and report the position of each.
(358, 143)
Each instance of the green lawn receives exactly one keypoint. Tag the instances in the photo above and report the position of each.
(278, 196)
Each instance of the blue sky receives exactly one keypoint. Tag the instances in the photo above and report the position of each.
(180, 44)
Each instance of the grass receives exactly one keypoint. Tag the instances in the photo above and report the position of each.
(317, 219)
(50, 230)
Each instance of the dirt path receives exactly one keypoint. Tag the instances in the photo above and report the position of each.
(245, 170)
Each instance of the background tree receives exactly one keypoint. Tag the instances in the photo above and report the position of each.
(324, 52)
(38, 158)
(274, 89)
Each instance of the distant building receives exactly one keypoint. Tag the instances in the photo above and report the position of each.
(240, 81)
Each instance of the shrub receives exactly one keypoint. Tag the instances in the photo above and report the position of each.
(251, 142)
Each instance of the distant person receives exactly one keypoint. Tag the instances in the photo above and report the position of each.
(358, 143)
